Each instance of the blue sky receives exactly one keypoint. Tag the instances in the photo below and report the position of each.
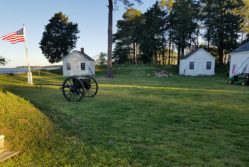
(91, 16)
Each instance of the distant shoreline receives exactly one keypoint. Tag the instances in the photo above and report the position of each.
(56, 66)
(21, 70)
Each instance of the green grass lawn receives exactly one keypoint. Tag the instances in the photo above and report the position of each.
(134, 120)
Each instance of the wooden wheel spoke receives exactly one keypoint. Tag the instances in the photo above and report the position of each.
(71, 95)
(90, 90)
(87, 93)
(70, 82)
(76, 97)
(74, 90)
(68, 93)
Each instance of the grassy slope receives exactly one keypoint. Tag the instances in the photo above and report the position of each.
(26, 129)
(136, 120)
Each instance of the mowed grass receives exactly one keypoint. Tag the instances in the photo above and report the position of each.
(136, 120)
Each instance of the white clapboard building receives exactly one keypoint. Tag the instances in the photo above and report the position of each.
(197, 62)
(78, 63)
(239, 60)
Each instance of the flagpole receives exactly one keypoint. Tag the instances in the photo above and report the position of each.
(30, 81)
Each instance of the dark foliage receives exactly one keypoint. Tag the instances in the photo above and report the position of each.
(3, 61)
(120, 53)
(222, 25)
(59, 38)
(127, 4)
(152, 33)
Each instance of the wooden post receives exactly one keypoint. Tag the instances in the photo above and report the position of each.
(30, 80)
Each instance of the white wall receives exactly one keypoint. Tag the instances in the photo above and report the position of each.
(75, 60)
(200, 59)
(239, 62)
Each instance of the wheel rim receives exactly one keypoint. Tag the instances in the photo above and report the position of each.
(243, 83)
(73, 89)
(91, 89)
(229, 81)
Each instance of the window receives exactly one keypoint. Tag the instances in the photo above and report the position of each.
(191, 65)
(83, 67)
(68, 66)
(208, 66)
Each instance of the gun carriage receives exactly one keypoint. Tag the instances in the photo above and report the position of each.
(75, 88)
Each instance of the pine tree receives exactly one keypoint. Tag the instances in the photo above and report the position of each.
(127, 29)
(183, 23)
(152, 33)
(127, 3)
(222, 24)
(120, 53)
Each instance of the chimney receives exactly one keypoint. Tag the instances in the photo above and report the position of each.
(192, 48)
(82, 50)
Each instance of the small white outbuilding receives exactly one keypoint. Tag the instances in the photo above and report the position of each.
(197, 62)
(239, 60)
(78, 63)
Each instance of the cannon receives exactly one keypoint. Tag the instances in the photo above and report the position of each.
(75, 88)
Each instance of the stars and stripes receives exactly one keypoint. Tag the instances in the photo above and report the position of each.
(234, 67)
(14, 37)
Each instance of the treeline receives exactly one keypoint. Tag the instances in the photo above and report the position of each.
(168, 30)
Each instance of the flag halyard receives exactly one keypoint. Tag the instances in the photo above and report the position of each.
(14, 37)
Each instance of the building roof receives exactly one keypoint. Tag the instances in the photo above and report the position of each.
(189, 54)
(194, 51)
(243, 48)
(85, 55)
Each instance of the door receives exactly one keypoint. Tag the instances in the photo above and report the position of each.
(201, 68)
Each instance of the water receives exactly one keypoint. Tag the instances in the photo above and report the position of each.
(16, 70)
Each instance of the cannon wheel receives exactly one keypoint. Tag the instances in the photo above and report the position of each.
(73, 89)
(91, 89)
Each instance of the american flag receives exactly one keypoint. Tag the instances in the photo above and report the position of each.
(233, 70)
(14, 37)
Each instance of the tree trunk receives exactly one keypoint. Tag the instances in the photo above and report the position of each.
(182, 52)
(179, 55)
(169, 44)
(155, 56)
(134, 54)
(109, 61)
(163, 56)
(208, 45)
(220, 56)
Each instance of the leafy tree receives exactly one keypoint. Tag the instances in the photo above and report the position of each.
(3, 61)
(222, 24)
(168, 4)
(183, 23)
(59, 38)
(120, 53)
(246, 40)
(211, 49)
(244, 12)
(127, 3)
(101, 58)
(127, 30)
(152, 33)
